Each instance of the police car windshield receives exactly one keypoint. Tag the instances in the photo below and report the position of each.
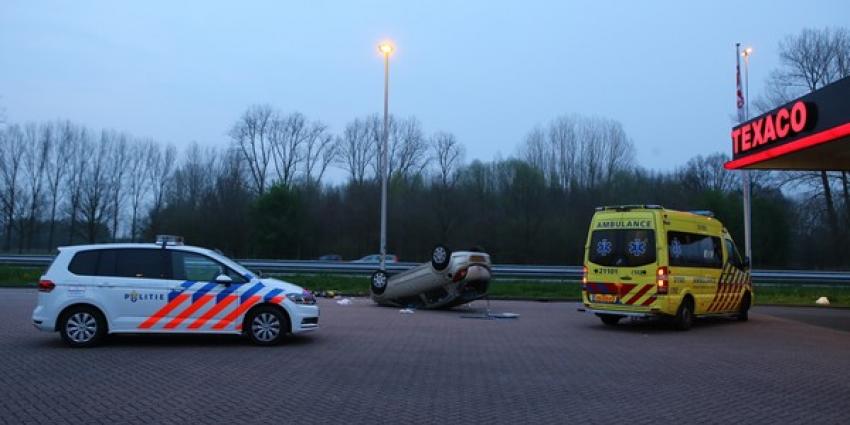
(238, 268)
(622, 247)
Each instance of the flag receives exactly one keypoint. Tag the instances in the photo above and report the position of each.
(740, 91)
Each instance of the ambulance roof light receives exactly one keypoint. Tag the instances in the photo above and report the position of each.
(705, 213)
(630, 207)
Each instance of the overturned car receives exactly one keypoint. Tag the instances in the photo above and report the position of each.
(448, 280)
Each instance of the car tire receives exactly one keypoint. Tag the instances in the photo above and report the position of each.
(267, 325)
(378, 282)
(744, 312)
(441, 256)
(685, 315)
(82, 326)
(610, 319)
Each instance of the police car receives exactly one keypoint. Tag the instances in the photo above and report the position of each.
(90, 291)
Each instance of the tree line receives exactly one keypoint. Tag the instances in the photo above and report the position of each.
(266, 194)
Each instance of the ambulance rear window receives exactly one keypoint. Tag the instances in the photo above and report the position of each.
(622, 247)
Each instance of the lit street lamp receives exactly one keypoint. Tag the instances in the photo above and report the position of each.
(386, 49)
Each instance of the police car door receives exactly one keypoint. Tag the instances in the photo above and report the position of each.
(211, 291)
(134, 287)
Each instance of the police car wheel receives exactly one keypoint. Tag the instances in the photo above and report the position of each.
(267, 326)
(685, 315)
(82, 326)
(744, 312)
(441, 256)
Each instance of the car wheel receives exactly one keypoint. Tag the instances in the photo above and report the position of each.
(441, 256)
(685, 315)
(744, 312)
(610, 319)
(378, 283)
(82, 326)
(267, 326)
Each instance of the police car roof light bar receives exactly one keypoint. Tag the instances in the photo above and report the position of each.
(165, 240)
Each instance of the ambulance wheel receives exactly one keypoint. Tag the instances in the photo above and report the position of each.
(82, 326)
(267, 325)
(441, 256)
(378, 282)
(685, 315)
(610, 319)
(744, 312)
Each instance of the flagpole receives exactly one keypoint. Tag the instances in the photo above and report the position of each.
(745, 176)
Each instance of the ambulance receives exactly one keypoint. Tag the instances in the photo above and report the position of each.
(646, 261)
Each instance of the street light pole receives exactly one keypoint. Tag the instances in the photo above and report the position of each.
(748, 249)
(386, 49)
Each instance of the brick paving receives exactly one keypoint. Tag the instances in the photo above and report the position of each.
(371, 364)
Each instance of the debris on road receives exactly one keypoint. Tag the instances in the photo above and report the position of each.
(822, 301)
(406, 311)
(344, 301)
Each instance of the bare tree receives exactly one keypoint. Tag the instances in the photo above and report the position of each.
(35, 161)
(118, 159)
(251, 135)
(138, 179)
(409, 149)
(12, 151)
(707, 173)
(448, 155)
(59, 149)
(94, 205)
(357, 147)
(80, 151)
(286, 137)
(320, 150)
(161, 166)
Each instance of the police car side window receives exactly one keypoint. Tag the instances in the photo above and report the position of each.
(199, 268)
(139, 263)
(84, 263)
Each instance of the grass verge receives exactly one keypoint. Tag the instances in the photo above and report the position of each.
(499, 288)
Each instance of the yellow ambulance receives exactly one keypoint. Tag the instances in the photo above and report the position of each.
(645, 261)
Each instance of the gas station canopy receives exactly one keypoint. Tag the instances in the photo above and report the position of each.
(809, 133)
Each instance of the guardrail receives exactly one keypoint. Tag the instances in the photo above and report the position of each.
(807, 277)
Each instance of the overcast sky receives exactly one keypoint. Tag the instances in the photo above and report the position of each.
(488, 71)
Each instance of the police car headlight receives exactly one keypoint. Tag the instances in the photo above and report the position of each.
(305, 298)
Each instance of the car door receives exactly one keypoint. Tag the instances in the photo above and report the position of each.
(734, 280)
(208, 301)
(137, 293)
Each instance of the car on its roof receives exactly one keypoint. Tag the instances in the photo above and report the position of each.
(90, 291)
(448, 280)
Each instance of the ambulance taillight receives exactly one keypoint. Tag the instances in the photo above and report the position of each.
(662, 280)
(584, 278)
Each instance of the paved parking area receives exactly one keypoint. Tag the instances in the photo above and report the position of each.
(373, 365)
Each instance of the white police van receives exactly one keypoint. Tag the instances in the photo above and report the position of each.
(93, 290)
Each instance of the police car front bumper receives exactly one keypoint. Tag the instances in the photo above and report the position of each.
(306, 318)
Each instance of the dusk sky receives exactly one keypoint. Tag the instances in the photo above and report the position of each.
(487, 71)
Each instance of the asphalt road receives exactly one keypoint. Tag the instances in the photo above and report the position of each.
(371, 364)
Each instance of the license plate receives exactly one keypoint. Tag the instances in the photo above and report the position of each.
(605, 298)
(477, 259)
